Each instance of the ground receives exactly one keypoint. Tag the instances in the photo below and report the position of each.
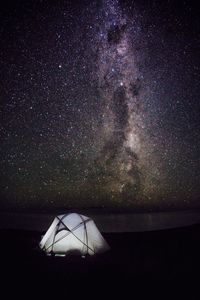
(162, 263)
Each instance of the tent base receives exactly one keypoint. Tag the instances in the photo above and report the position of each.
(56, 254)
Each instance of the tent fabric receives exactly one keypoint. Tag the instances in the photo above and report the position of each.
(73, 234)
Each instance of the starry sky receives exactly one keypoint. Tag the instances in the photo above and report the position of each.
(99, 104)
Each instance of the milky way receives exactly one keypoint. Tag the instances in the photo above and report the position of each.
(123, 152)
(99, 105)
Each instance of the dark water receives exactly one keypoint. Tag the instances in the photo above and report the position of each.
(106, 222)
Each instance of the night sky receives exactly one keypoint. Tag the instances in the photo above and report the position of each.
(99, 104)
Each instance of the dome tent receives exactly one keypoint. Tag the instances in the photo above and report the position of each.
(73, 234)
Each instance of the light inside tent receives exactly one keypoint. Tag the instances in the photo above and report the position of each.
(73, 234)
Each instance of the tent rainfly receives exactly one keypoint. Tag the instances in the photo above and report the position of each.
(73, 234)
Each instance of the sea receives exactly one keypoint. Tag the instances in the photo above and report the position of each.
(106, 222)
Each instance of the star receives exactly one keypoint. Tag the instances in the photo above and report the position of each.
(102, 109)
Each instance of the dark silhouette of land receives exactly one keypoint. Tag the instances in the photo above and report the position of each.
(163, 264)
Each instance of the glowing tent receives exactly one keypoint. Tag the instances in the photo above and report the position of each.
(73, 234)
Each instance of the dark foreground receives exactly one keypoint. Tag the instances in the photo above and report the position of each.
(161, 264)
